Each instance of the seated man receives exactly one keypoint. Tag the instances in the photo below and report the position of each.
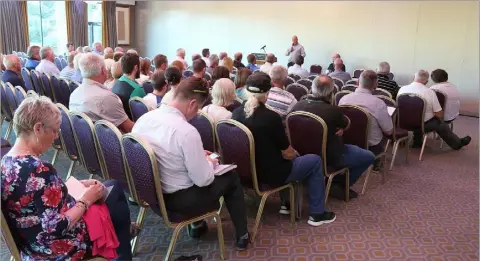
(268, 63)
(279, 100)
(13, 71)
(69, 70)
(126, 87)
(297, 68)
(331, 66)
(381, 122)
(433, 114)
(161, 62)
(214, 61)
(33, 54)
(181, 57)
(199, 68)
(452, 102)
(339, 155)
(384, 82)
(95, 99)
(276, 161)
(47, 64)
(186, 172)
(251, 62)
(338, 73)
(237, 61)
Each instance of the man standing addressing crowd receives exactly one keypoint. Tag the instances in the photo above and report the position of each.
(294, 51)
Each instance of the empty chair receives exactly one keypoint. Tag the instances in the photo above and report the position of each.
(187, 73)
(7, 113)
(380, 91)
(316, 68)
(297, 90)
(67, 139)
(20, 94)
(27, 79)
(147, 190)
(357, 72)
(289, 81)
(37, 85)
(58, 63)
(338, 82)
(295, 77)
(147, 86)
(47, 86)
(339, 95)
(306, 82)
(73, 85)
(349, 87)
(206, 128)
(61, 90)
(137, 108)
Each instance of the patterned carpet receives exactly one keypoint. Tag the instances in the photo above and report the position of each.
(425, 211)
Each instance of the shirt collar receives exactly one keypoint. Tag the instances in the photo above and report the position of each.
(132, 83)
(87, 81)
(363, 90)
(171, 110)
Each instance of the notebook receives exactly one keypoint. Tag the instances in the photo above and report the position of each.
(76, 189)
(391, 110)
(222, 169)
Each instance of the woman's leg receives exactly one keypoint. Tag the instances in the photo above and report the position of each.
(120, 215)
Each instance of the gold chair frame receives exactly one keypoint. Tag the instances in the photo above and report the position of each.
(384, 93)
(10, 124)
(177, 227)
(263, 194)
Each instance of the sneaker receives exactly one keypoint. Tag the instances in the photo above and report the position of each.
(324, 218)
(242, 242)
(198, 229)
(284, 209)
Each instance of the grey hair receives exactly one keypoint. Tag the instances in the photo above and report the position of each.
(33, 49)
(86, 49)
(214, 59)
(77, 58)
(79, 49)
(91, 65)
(94, 45)
(223, 92)
(278, 74)
(322, 87)
(383, 68)
(368, 80)
(422, 76)
(180, 50)
(253, 102)
(45, 51)
(32, 110)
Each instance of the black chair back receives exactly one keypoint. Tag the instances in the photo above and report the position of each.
(410, 112)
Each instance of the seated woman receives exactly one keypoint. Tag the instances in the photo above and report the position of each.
(240, 80)
(47, 223)
(223, 95)
(276, 161)
(145, 72)
(173, 76)
(218, 73)
(160, 87)
(108, 66)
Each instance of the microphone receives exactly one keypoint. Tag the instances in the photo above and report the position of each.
(263, 47)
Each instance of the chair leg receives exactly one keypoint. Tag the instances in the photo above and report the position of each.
(441, 144)
(9, 129)
(292, 205)
(423, 146)
(221, 241)
(347, 185)
(140, 219)
(327, 189)
(367, 176)
(386, 146)
(171, 247)
(259, 215)
(384, 169)
(55, 156)
(407, 147)
(395, 149)
(70, 169)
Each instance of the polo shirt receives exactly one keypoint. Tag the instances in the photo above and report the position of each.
(281, 101)
(388, 85)
(98, 102)
(295, 51)
(45, 66)
(426, 93)
(13, 78)
(31, 64)
(452, 103)
(344, 76)
(127, 88)
(177, 147)
(380, 120)
(270, 139)
(334, 118)
(298, 70)
(331, 68)
(252, 67)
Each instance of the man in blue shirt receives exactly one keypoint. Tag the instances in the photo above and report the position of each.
(12, 74)
(97, 48)
(33, 54)
(251, 62)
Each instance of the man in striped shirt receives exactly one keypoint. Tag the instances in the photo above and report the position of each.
(279, 100)
(384, 82)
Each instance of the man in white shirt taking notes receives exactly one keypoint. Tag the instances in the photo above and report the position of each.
(294, 51)
(189, 184)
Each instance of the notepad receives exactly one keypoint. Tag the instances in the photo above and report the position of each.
(222, 169)
(76, 189)
(391, 110)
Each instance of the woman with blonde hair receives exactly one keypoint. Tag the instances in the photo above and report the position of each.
(276, 161)
(108, 66)
(223, 95)
(228, 62)
(116, 72)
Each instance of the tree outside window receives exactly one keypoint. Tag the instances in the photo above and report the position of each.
(94, 22)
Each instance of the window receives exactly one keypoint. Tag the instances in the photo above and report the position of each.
(47, 24)
(94, 22)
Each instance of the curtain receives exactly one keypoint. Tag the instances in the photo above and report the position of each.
(109, 24)
(13, 26)
(77, 22)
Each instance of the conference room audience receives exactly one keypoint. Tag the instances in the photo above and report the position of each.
(160, 88)
(384, 82)
(339, 155)
(188, 181)
(35, 202)
(205, 56)
(267, 66)
(276, 161)
(126, 87)
(223, 95)
(199, 68)
(251, 62)
(181, 57)
(94, 99)
(338, 72)
(97, 48)
(381, 124)
(161, 62)
(452, 95)
(433, 117)
(77, 75)
(117, 56)
(47, 64)
(240, 80)
(279, 99)
(294, 51)
(70, 47)
(297, 68)
(119, 49)
(219, 73)
(87, 49)
(33, 54)
(173, 77)
(13, 71)
(331, 66)
(237, 60)
(68, 71)
(214, 62)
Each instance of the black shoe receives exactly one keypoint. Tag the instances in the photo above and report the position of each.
(285, 209)
(338, 191)
(465, 140)
(416, 145)
(324, 218)
(242, 242)
(198, 229)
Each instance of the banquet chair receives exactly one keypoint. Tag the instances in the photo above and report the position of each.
(205, 126)
(298, 90)
(27, 79)
(46, 86)
(380, 91)
(349, 87)
(7, 113)
(316, 68)
(147, 86)
(296, 77)
(306, 82)
(235, 104)
(387, 100)
(339, 95)
(61, 91)
(37, 84)
(352, 82)
(72, 85)
(64, 63)
(312, 77)
(357, 72)
(442, 99)
(137, 108)
(58, 63)
(391, 76)
(67, 139)
(289, 81)
(20, 94)
(187, 73)
(338, 82)
(11, 97)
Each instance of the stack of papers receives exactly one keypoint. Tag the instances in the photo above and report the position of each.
(76, 189)
(391, 110)
(222, 169)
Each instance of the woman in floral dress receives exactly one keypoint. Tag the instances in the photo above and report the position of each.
(45, 220)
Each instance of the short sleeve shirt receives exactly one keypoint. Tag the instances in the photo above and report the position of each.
(427, 94)
(270, 139)
(98, 102)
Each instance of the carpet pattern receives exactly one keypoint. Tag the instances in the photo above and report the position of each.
(425, 211)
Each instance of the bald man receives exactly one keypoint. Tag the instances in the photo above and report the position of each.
(13, 68)
(338, 72)
(331, 67)
(294, 51)
(268, 63)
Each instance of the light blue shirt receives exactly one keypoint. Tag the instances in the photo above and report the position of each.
(97, 52)
(45, 66)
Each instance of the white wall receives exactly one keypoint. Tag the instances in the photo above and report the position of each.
(409, 35)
